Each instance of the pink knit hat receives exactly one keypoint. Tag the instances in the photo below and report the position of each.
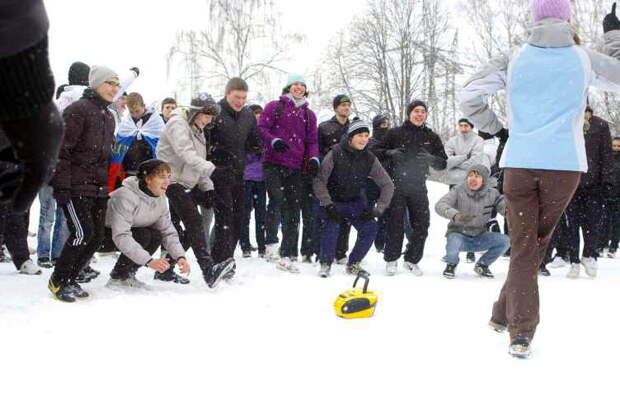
(542, 9)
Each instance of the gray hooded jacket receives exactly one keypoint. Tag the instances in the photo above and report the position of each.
(464, 151)
(480, 204)
(184, 147)
(129, 207)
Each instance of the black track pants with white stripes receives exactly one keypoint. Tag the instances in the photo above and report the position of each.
(86, 222)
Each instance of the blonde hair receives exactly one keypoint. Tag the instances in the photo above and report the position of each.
(134, 101)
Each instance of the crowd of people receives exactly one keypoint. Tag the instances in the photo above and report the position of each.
(132, 180)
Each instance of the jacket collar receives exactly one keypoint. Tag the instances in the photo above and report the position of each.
(551, 33)
(92, 95)
(230, 111)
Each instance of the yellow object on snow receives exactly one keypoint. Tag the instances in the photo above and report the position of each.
(356, 303)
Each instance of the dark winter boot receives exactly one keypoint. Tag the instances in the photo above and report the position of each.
(449, 272)
(170, 275)
(483, 270)
(543, 270)
(77, 291)
(356, 269)
(60, 290)
(471, 257)
(45, 262)
(215, 272)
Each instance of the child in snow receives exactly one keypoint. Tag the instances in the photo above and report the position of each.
(469, 206)
(545, 155)
(340, 187)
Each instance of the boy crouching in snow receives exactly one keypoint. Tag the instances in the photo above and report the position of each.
(469, 206)
(140, 220)
(340, 186)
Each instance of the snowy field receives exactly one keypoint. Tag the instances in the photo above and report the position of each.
(270, 342)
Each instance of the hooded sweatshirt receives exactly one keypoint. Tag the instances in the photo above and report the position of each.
(480, 203)
(131, 207)
(464, 151)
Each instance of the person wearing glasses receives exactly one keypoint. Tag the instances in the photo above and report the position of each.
(80, 182)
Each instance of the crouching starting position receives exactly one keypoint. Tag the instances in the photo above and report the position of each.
(140, 221)
(470, 206)
(340, 186)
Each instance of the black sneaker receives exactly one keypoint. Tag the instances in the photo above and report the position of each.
(87, 274)
(543, 270)
(61, 291)
(247, 254)
(45, 262)
(170, 276)
(449, 272)
(519, 348)
(483, 271)
(356, 269)
(216, 272)
(77, 291)
(470, 258)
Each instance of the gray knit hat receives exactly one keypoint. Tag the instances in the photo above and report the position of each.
(100, 74)
(358, 126)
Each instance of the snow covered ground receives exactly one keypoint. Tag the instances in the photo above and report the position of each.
(270, 342)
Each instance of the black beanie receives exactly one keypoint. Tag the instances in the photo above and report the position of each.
(147, 167)
(78, 74)
(414, 105)
(340, 99)
(466, 121)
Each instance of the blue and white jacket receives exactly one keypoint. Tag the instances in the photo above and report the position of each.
(547, 82)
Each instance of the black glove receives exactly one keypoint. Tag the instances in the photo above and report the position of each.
(222, 158)
(135, 70)
(611, 22)
(368, 214)
(62, 198)
(333, 213)
(313, 167)
(485, 135)
(395, 153)
(463, 219)
(425, 156)
(279, 145)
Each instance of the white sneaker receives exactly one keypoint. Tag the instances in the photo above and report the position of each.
(557, 262)
(29, 268)
(574, 271)
(413, 268)
(391, 267)
(342, 261)
(271, 253)
(590, 265)
(286, 264)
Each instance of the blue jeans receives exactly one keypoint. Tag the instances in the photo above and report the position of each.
(50, 216)
(255, 197)
(366, 231)
(493, 243)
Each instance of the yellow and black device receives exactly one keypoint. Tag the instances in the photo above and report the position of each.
(356, 303)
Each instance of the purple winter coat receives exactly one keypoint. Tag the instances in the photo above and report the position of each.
(292, 129)
(253, 168)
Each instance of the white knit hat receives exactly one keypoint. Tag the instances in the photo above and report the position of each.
(100, 74)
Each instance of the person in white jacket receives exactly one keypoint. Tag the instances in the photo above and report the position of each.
(183, 146)
(546, 82)
(464, 150)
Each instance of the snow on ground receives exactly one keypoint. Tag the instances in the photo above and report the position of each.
(270, 342)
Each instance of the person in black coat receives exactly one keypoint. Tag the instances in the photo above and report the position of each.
(611, 231)
(233, 135)
(410, 149)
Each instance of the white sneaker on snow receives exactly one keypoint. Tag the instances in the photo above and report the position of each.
(29, 268)
(557, 262)
(413, 268)
(590, 265)
(391, 267)
(574, 271)
(286, 264)
(271, 253)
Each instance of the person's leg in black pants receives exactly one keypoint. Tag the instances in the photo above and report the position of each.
(248, 195)
(274, 183)
(419, 216)
(16, 238)
(592, 209)
(259, 199)
(574, 216)
(342, 246)
(150, 239)
(395, 232)
(228, 207)
(86, 222)
(190, 228)
(290, 213)
(307, 215)
(614, 210)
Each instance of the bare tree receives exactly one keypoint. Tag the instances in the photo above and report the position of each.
(240, 38)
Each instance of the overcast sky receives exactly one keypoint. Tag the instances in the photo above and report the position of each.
(125, 33)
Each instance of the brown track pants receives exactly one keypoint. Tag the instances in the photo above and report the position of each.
(535, 201)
